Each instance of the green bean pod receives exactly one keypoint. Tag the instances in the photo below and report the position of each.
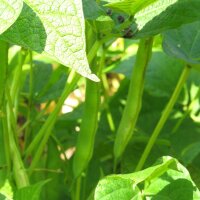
(134, 99)
(86, 137)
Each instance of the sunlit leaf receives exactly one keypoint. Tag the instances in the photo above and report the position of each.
(9, 12)
(55, 28)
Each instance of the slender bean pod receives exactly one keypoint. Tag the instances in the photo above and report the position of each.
(86, 137)
(133, 104)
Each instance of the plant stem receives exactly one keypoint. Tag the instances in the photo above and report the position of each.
(134, 100)
(20, 175)
(164, 117)
(4, 149)
(78, 189)
(45, 131)
(30, 101)
(16, 83)
(3, 69)
(106, 96)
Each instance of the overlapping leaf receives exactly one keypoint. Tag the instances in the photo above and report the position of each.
(9, 12)
(56, 28)
(166, 14)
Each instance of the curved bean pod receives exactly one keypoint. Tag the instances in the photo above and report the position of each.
(133, 104)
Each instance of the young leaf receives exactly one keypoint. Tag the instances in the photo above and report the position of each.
(130, 6)
(9, 12)
(166, 14)
(55, 28)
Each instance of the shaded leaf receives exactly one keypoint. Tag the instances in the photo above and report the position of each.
(30, 192)
(191, 152)
(184, 43)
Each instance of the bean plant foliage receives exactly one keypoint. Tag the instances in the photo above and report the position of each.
(99, 99)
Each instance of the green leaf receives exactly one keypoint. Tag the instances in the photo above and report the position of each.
(6, 192)
(162, 74)
(185, 142)
(191, 152)
(9, 12)
(152, 172)
(177, 189)
(55, 28)
(184, 43)
(115, 187)
(166, 14)
(92, 10)
(30, 192)
(130, 6)
(167, 175)
(97, 17)
(48, 84)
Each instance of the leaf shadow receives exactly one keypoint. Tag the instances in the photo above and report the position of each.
(180, 189)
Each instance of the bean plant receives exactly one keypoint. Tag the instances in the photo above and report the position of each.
(99, 99)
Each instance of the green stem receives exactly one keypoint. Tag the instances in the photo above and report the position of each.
(3, 69)
(30, 100)
(20, 175)
(44, 133)
(164, 117)
(16, 83)
(106, 96)
(3, 132)
(78, 189)
(134, 100)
